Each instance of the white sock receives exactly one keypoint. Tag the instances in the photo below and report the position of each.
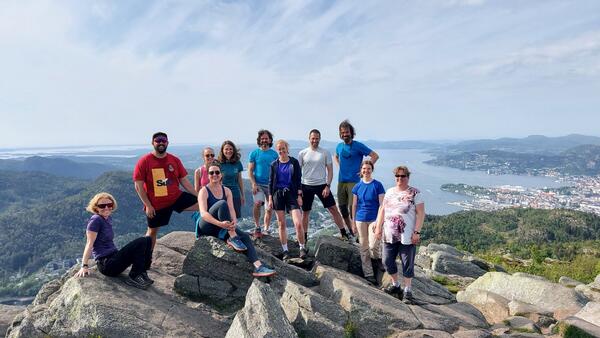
(302, 246)
(284, 247)
(397, 284)
(407, 289)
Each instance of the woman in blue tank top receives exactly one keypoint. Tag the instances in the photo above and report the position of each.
(218, 219)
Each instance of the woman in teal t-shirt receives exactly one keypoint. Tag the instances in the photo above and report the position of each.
(231, 170)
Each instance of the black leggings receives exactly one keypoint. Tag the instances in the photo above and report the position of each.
(220, 211)
(137, 253)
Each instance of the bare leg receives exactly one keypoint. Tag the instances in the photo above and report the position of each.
(337, 217)
(152, 232)
(407, 282)
(256, 213)
(297, 219)
(268, 216)
(305, 219)
(282, 229)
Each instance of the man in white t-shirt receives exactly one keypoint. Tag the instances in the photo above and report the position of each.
(317, 174)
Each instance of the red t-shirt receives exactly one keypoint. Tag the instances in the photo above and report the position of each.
(161, 178)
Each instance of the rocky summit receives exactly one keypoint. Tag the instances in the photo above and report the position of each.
(204, 289)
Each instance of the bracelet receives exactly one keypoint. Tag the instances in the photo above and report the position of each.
(416, 232)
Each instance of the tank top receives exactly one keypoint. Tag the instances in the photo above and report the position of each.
(211, 200)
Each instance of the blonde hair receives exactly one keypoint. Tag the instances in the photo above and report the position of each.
(287, 145)
(93, 204)
(402, 168)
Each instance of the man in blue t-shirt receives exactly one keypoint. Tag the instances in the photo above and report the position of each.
(349, 155)
(258, 172)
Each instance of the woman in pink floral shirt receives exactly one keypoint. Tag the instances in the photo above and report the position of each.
(399, 220)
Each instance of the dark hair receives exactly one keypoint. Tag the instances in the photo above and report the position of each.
(316, 131)
(261, 133)
(236, 154)
(214, 163)
(160, 133)
(368, 162)
(346, 125)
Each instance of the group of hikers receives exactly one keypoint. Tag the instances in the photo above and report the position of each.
(386, 223)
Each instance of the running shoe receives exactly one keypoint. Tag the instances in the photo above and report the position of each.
(303, 253)
(286, 255)
(236, 244)
(147, 278)
(257, 233)
(263, 271)
(394, 291)
(138, 282)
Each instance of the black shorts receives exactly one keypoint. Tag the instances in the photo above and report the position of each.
(308, 195)
(283, 199)
(162, 216)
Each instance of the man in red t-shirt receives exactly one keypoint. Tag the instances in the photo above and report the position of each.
(157, 177)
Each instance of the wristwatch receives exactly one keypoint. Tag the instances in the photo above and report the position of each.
(417, 232)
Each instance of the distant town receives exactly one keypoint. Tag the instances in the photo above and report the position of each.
(579, 193)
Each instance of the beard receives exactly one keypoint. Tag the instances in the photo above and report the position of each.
(265, 144)
(161, 148)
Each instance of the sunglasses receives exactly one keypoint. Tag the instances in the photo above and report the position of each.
(161, 140)
(402, 176)
(104, 206)
(209, 155)
(215, 172)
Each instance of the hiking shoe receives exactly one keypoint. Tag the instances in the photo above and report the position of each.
(236, 244)
(394, 291)
(267, 231)
(257, 233)
(138, 282)
(371, 279)
(345, 237)
(263, 271)
(146, 277)
(303, 253)
(286, 255)
(409, 299)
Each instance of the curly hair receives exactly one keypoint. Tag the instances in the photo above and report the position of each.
(346, 125)
(261, 133)
(236, 153)
(93, 204)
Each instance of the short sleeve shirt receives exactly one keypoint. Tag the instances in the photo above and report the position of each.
(103, 245)
(314, 165)
(367, 197)
(400, 214)
(161, 178)
(229, 172)
(351, 156)
(262, 160)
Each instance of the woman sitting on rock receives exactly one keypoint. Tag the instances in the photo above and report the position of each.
(110, 261)
(368, 196)
(218, 219)
(400, 218)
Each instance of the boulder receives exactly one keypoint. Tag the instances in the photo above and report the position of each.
(311, 314)
(422, 334)
(472, 334)
(339, 254)
(590, 313)
(548, 296)
(433, 248)
(493, 306)
(568, 282)
(449, 317)
(262, 315)
(105, 306)
(591, 291)
(220, 277)
(569, 323)
(446, 263)
(425, 290)
(521, 324)
(7, 314)
(372, 312)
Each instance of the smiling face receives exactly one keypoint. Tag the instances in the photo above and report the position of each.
(214, 174)
(208, 155)
(346, 135)
(104, 207)
(228, 151)
(282, 149)
(401, 178)
(366, 170)
(160, 144)
(265, 141)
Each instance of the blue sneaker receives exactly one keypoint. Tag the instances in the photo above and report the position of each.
(263, 271)
(236, 244)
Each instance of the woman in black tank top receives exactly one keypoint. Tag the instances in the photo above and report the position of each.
(218, 219)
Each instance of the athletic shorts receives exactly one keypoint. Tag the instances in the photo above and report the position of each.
(284, 200)
(262, 196)
(344, 193)
(308, 195)
(162, 216)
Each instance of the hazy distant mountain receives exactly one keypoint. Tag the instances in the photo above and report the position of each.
(529, 144)
(57, 166)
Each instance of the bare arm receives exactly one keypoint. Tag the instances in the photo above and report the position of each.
(420, 213)
(241, 184)
(139, 188)
(251, 177)
(206, 216)
(354, 204)
(197, 179)
(188, 186)
(89, 244)
(229, 196)
(374, 156)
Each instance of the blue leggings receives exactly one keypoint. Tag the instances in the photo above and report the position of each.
(407, 255)
(220, 211)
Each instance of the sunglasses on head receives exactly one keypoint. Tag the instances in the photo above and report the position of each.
(105, 205)
(161, 139)
(214, 172)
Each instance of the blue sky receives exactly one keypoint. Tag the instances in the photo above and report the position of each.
(113, 72)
